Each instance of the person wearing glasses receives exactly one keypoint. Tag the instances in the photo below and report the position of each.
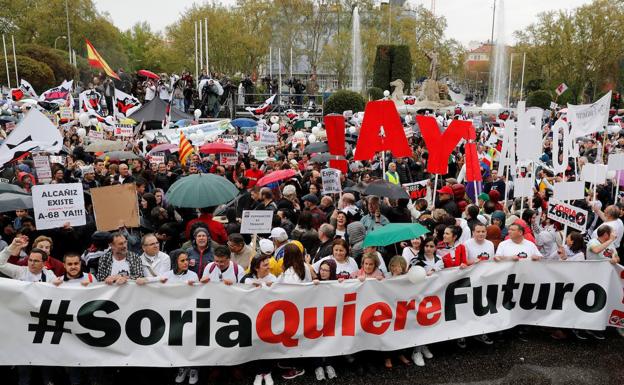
(34, 272)
(154, 262)
(223, 269)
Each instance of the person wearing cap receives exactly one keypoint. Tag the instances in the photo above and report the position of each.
(200, 252)
(280, 239)
(311, 202)
(482, 198)
(88, 178)
(445, 201)
(239, 252)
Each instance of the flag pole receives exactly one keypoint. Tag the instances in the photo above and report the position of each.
(522, 79)
(271, 63)
(6, 62)
(206, 31)
(201, 47)
(196, 58)
(15, 62)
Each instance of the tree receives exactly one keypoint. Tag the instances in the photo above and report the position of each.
(539, 99)
(53, 58)
(37, 73)
(344, 100)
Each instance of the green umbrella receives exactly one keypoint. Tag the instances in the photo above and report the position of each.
(201, 190)
(304, 123)
(393, 233)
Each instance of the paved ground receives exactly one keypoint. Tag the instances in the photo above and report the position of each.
(510, 361)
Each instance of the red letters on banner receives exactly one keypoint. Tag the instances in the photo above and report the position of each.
(378, 114)
(335, 127)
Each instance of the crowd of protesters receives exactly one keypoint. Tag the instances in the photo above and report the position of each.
(315, 237)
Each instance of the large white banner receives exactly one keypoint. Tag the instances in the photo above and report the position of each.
(589, 118)
(214, 324)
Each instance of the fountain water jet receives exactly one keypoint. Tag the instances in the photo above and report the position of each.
(498, 65)
(357, 77)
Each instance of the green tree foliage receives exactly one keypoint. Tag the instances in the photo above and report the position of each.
(375, 93)
(38, 74)
(382, 70)
(53, 58)
(343, 100)
(540, 98)
(391, 63)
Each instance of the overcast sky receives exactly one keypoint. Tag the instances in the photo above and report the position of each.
(468, 20)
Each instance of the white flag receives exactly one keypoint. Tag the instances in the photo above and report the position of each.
(589, 118)
(35, 131)
(125, 104)
(60, 95)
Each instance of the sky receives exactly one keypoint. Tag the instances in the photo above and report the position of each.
(468, 20)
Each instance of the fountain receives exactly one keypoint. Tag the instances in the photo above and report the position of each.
(357, 77)
(498, 65)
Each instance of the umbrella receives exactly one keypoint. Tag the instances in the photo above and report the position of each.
(276, 176)
(201, 190)
(304, 123)
(148, 74)
(316, 147)
(164, 147)
(393, 233)
(214, 148)
(358, 188)
(120, 155)
(325, 157)
(11, 188)
(105, 145)
(382, 188)
(244, 123)
(15, 201)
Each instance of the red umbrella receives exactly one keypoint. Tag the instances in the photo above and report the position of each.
(276, 176)
(148, 74)
(214, 148)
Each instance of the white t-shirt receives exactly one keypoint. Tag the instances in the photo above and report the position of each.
(408, 254)
(158, 264)
(78, 281)
(120, 268)
(270, 278)
(617, 226)
(343, 269)
(483, 251)
(232, 273)
(185, 277)
(30, 277)
(290, 276)
(608, 253)
(525, 249)
(547, 242)
(572, 256)
(435, 264)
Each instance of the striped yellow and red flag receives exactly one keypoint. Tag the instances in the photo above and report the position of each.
(185, 149)
(96, 60)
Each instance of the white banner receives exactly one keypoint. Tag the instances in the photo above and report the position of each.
(331, 181)
(589, 118)
(214, 324)
(268, 138)
(57, 204)
(568, 215)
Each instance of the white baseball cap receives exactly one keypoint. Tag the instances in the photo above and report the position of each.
(266, 246)
(279, 234)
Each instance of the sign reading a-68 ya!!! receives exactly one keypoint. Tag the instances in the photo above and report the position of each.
(568, 215)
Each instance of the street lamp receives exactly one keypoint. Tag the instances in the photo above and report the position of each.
(59, 37)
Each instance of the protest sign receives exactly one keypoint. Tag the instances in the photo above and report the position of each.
(616, 162)
(228, 159)
(416, 190)
(108, 325)
(523, 187)
(331, 181)
(589, 118)
(568, 191)
(477, 121)
(260, 153)
(95, 134)
(157, 158)
(115, 206)
(58, 159)
(409, 131)
(561, 88)
(57, 204)
(242, 147)
(268, 138)
(230, 140)
(553, 106)
(42, 166)
(594, 173)
(568, 215)
(256, 221)
(123, 130)
(66, 113)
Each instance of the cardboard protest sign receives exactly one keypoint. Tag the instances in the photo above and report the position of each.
(529, 138)
(568, 191)
(58, 159)
(331, 181)
(57, 204)
(568, 215)
(256, 221)
(416, 190)
(230, 140)
(587, 119)
(115, 206)
(157, 158)
(594, 173)
(94, 134)
(260, 153)
(66, 113)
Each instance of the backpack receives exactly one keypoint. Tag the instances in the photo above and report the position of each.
(213, 265)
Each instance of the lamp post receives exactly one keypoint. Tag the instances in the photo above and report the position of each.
(60, 37)
(69, 48)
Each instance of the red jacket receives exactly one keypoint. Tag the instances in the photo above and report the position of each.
(217, 230)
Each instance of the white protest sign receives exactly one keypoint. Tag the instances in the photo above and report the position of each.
(594, 173)
(268, 138)
(57, 204)
(616, 162)
(477, 121)
(256, 221)
(242, 147)
(123, 130)
(417, 190)
(66, 113)
(58, 159)
(553, 105)
(508, 150)
(94, 134)
(523, 187)
(529, 138)
(157, 158)
(589, 118)
(331, 181)
(568, 215)
(568, 191)
(561, 129)
(409, 132)
(228, 159)
(260, 153)
(42, 165)
(230, 140)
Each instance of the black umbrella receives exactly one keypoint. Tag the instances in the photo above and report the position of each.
(316, 147)
(325, 157)
(382, 188)
(11, 188)
(15, 201)
(357, 188)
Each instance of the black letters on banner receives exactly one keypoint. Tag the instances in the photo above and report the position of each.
(87, 319)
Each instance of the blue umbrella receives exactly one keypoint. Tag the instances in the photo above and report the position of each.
(244, 123)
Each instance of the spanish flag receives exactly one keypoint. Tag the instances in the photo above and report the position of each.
(185, 149)
(95, 60)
